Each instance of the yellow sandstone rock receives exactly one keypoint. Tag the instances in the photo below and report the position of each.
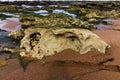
(40, 42)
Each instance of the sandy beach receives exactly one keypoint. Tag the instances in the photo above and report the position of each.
(70, 65)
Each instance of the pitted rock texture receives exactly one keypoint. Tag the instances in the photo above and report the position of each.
(41, 42)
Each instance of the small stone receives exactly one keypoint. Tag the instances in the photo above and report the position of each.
(3, 63)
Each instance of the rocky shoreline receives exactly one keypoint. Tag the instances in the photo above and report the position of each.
(68, 64)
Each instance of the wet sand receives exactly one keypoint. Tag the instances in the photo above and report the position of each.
(70, 65)
(10, 25)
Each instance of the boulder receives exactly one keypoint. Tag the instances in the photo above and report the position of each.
(41, 42)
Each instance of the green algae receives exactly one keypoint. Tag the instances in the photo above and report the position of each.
(8, 8)
(94, 14)
(53, 21)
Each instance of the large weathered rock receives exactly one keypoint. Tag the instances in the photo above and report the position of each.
(42, 42)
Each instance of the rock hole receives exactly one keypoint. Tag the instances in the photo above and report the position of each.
(35, 35)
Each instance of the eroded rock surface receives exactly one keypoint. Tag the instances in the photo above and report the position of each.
(42, 42)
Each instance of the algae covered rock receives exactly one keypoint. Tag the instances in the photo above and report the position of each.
(41, 42)
(94, 13)
(8, 8)
(54, 21)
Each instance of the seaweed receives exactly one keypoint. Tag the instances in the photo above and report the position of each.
(53, 21)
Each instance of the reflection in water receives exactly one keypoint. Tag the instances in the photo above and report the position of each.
(6, 41)
(109, 19)
(39, 6)
(10, 24)
(53, 5)
(67, 6)
(3, 37)
(29, 6)
(64, 12)
(101, 26)
(56, 11)
(9, 14)
(42, 12)
(13, 19)
(26, 6)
